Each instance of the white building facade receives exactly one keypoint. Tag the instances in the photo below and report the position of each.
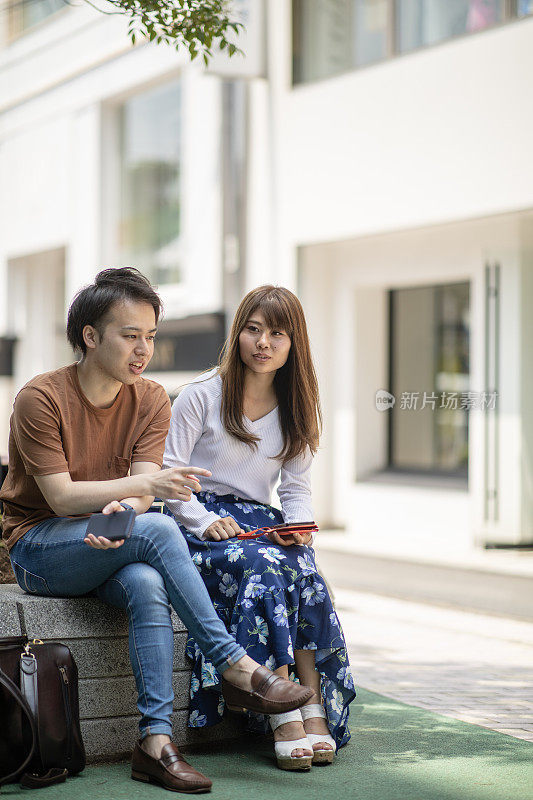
(113, 154)
(375, 158)
(404, 215)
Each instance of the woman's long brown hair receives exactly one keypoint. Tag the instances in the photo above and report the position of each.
(295, 383)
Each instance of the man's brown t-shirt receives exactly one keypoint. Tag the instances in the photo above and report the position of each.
(55, 428)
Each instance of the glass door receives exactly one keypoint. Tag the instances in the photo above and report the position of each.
(429, 378)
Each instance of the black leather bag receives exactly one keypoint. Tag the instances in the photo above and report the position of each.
(40, 737)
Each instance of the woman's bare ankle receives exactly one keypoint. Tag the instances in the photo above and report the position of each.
(316, 724)
(315, 700)
(289, 731)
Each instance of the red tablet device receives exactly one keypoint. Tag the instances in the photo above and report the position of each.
(286, 529)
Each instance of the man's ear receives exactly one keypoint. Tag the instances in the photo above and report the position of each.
(90, 337)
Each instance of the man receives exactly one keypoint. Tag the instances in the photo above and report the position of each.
(90, 437)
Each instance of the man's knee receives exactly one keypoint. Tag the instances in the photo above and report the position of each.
(155, 526)
(139, 576)
(141, 585)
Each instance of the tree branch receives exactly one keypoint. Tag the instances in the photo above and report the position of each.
(194, 24)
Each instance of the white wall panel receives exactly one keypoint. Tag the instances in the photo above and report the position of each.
(437, 135)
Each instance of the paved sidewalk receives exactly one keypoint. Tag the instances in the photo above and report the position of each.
(472, 667)
(495, 594)
(411, 545)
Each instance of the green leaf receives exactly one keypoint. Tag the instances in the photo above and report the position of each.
(197, 24)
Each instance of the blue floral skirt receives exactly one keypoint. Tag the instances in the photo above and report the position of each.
(274, 601)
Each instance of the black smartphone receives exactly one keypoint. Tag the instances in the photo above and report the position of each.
(115, 526)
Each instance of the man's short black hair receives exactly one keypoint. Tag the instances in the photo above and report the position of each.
(110, 286)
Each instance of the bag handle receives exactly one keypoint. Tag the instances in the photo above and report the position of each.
(29, 780)
(15, 693)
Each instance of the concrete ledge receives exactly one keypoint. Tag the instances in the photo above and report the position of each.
(97, 635)
(68, 617)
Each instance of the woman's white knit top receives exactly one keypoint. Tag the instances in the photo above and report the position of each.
(197, 437)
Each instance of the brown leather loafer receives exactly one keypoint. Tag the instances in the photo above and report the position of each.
(170, 771)
(270, 694)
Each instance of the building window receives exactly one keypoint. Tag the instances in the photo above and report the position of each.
(525, 7)
(429, 377)
(370, 31)
(150, 162)
(426, 22)
(334, 36)
(26, 14)
(321, 38)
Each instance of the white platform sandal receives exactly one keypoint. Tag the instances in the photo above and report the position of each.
(284, 750)
(320, 755)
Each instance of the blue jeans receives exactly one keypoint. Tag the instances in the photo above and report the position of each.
(151, 571)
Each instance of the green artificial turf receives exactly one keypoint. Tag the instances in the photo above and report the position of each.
(397, 752)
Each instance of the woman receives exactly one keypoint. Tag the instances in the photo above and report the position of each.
(253, 420)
